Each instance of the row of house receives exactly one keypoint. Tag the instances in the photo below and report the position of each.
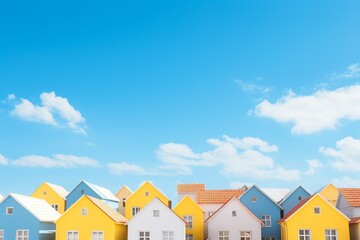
(248, 213)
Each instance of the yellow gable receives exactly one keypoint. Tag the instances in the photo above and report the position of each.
(47, 193)
(142, 196)
(330, 193)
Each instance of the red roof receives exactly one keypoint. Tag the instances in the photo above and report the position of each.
(352, 196)
(355, 220)
(190, 188)
(217, 196)
(297, 207)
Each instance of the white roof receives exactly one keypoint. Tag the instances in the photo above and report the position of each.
(1, 197)
(104, 193)
(277, 194)
(59, 190)
(37, 207)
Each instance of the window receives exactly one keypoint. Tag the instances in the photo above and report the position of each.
(2, 235)
(84, 211)
(22, 235)
(82, 192)
(331, 234)
(144, 235)
(267, 220)
(189, 220)
(268, 238)
(44, 193)
(9, 210)
(316, 210)
(253, 199)
(234, 213)
(156, 213)
(97, 236)
(72, 236)
(146, 194)
(124, 199)
(223, 235)
(135, 210)
(189, 237)
(300, 198)
(168, 235)
(245, 235)
(304, 234)
(55, 206)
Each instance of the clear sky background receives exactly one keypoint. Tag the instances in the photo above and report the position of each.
(224, 93)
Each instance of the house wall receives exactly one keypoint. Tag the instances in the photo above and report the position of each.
(20, 220)
(124, 193)
(263, 206)
(292, 200)
(344, 206)
(355, 231)
(76, 194)
(145, 221)
(224, 221)
(329, 218)
(209, 209)
(51, 197)
(330, 193)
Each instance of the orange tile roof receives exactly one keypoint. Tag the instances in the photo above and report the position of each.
(217, 196)
(352, 195)
(190, 188)
(355, 220)
(297, 207)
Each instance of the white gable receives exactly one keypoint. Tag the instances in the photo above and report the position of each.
(37, 207)
(104, 193)
(277, 194)
(59, 190)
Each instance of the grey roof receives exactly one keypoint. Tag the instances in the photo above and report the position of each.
(276, 193)
(104, 193)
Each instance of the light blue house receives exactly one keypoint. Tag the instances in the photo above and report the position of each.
(27, 218)
(266, 209)
(293, 198)
(94, 191)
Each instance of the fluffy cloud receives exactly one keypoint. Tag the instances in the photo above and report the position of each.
(237, 157)
(313, 166)
(346, 156)
(353, 71)
(54, 110)
(126, 168)
(3, 160)
(57, 161)
(314, 113)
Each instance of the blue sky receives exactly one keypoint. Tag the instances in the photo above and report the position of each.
(218, 92)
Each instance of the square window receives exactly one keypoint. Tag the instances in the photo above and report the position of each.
(84, 211)
(266, 220)
(223, 235)
(9, 210)
(146, 194)
(97, 235)
(189, 220)
(22, 235)
(234, 213)
(316, 210)
(253, 199)
(44, 193)
(245, 235)
(156, 213)
(300, 198)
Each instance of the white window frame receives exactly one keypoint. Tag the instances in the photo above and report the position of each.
(95, 235)
(156, 213)
(84, 211)
(304, 235)
(189, 237)
(254, 199)
(72, 237)
(22, 236)
(189, 220)
(144, 237)
(329, 234)
(224, 235)
(7, 210)
(317, 208)
(135, 210)
(245, 235)
(2, 234)
(166, 235)
(267, 220)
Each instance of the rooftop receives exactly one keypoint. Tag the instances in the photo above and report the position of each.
(352, 196)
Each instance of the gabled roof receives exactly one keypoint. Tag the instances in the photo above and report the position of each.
(108, 210)
(290, 193)
(233, 199)
(329, 185)
(190, 188)
(123, 188)
(217, 196)
(103, 193)
(39, 208)
(276, 193)
(267, 196)
(141, 186)
(305, 201)
(62, 192)
(352, 196)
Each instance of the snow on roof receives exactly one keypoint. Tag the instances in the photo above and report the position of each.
(277, 194)
(37, 207)
(104, 193)
(59, 190)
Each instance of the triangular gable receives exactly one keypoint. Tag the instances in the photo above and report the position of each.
(103, 193)
(254, 186)
(277, 194)
(142, 185)
(188, 197)
(62, 192)
(123, 189)
(304, 202)
(291, 193)
(233, 199)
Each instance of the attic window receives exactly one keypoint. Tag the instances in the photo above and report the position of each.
(300, 198)
(146, 194)
(82, 191)
(44, 193)
(253, 199)
(9, 210)
(234, 213)
(316, 210)
(84, 211)
(156, 213)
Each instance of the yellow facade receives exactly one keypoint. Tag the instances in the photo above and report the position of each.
(330, 193)
(188, 207)
(47, 193)
(96, 220)
(142, 196)
(305, 218)
(123, 194)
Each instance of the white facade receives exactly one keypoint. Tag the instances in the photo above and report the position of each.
(233, 219)
(156, 221)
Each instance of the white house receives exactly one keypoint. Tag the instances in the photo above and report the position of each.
(156, 221)
(233, 221)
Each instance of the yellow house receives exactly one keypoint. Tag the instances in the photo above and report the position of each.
(315, 218)
(192, 213)
(53, 194)
(123, 194)
(330, 193)
(91, 218)
(141, 197)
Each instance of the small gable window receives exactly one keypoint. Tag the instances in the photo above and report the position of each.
(82, 192)
(44, 193)
(9, 210)
(253, 199)
(156, 213)
(84, 211)
(146, 194)
(316, 210)
(300, 198)
(234, 213)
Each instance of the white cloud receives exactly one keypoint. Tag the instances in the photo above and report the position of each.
(11, 97)
(322, 110)
(54, 110)
(3, 160)
(124, 168)
(346, 156)
(313, 165)
(346, 182)
(237, 157)
(252, 87)
(57, 161)
(353, 71)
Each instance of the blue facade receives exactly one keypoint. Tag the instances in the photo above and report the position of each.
(290, 201)
(261, 205)
(22, 219)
